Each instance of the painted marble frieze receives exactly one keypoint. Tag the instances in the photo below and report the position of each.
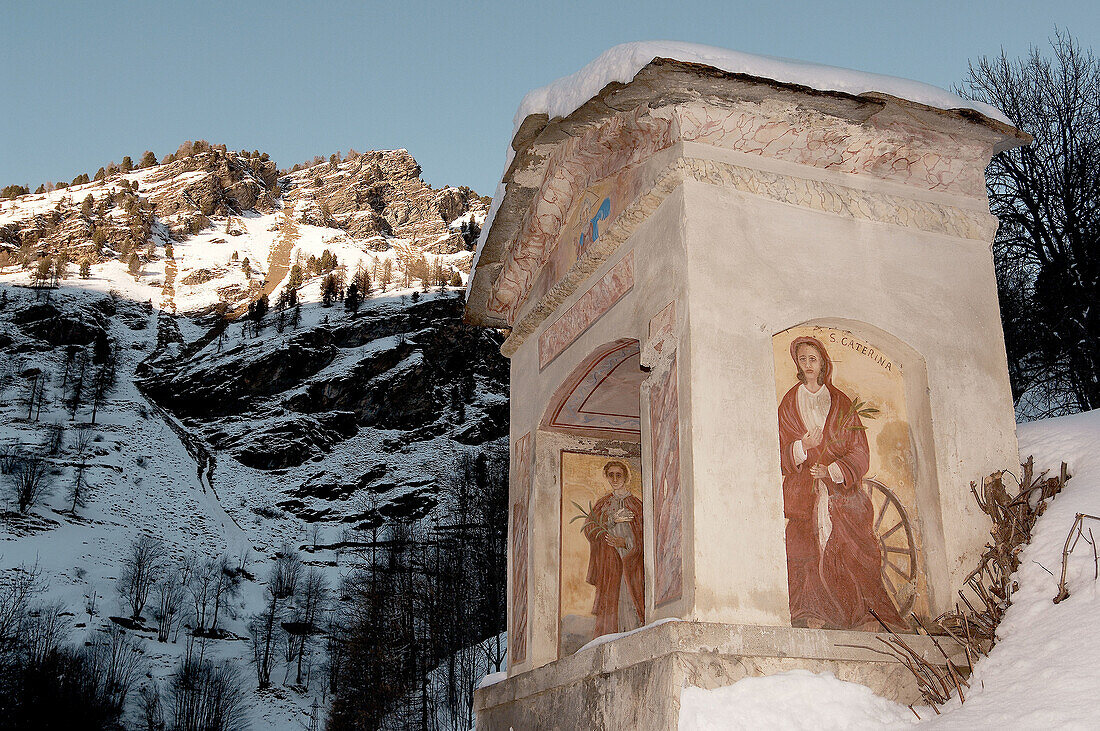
(591, 216)
(668, 511)
(602, 296)
(892, 150)
(625, 139)
(848, 482)
(602, 583)
(522, 474)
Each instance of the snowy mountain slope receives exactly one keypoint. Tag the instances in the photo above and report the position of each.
(143, 481)
(203, 227)
(184, 481)
(342, 408)
(1041, 674)
(362, 436)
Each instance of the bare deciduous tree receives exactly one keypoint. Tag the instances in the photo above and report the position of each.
(286, 573)
(281, 585)
(104, 380)
(18, 589)
(116, 660)
(150, 707)
(55, 438)
(35, 392)
(168, 597)
(141, 568)
(302, 625)
(78, 488)
(1045, 195)
(32, 481)
(261, 632)
(203, 696)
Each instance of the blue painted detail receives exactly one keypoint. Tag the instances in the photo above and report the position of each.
(601, 214)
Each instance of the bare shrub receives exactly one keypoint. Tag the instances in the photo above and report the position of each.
(141, 568)
(32, 482)
(168, 599)
(117, 661)
(207, 697)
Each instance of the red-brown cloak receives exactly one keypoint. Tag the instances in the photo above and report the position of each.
(606, 568)
(840, 587)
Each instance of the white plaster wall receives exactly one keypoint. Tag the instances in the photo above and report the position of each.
(660, 277)
(742, 268)
(766, 266)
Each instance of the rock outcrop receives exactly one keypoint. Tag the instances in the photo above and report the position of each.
(412, 373)
(214, 183)
(380, 194)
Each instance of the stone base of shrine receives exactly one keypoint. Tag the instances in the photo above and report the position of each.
(634, 682)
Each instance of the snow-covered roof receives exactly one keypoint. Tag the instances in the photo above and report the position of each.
(622, 62)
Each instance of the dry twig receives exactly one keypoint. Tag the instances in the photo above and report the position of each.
(1076, 533)
(973, 626)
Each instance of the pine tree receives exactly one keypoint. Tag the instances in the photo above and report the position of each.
(294, 279)
(99, 240)
(329, 293)
(149, 159)
(43, 271)
(351, 299)
(127, 164)
(106, 375)
(85, 268)
(78, 490)
(60, 271)
(387, 274)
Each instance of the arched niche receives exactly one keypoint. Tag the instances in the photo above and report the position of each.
(600, 398)
(878, 432)
(591, 440)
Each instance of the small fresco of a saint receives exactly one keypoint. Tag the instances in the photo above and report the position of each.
(613, 527)
(834, 566)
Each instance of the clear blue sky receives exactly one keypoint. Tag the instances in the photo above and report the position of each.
(84, 83)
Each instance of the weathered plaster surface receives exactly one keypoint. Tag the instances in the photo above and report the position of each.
(634, 682)
(600, 298)
(660, 276)
(891, 149)
(934, 293)
(668, 509)
(817, 195)
(624, 140)
(750, 226)
(522, 466)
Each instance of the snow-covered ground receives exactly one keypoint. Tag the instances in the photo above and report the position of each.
(1042, 674)
(144, 481)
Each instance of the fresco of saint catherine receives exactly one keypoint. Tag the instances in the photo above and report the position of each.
(834, 565)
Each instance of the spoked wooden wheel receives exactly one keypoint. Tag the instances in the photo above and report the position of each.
(896, 544)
